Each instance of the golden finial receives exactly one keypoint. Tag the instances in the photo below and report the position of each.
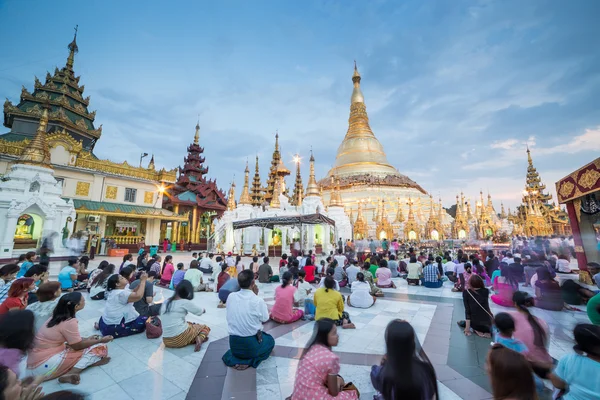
(197, 134)
(151, 163)
(357, 96)
(245, 196)
(73, 49)
(37, 151)
(312, 189)
(231, 198)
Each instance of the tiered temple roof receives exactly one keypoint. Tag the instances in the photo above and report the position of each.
(68, 109)
(298, 187)
(192, 188)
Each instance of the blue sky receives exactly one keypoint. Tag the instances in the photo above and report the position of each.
(454, 89)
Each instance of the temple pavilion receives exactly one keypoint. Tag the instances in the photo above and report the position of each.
(200, 198)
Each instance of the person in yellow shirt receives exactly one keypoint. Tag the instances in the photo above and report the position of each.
(330, 304)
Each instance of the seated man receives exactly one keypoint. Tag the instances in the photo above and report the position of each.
(145, 305)
(206, 264)
(194, 275)
(230, 286)
(246, 312)
(265, 272)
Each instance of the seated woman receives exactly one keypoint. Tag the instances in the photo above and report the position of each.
(431, 276)
(167, 271)
(384, 275)
(330, 272)
(82, 269)
(283, 310)
(128, 274)
(95, 273)
(222, 277)
(177, 332)
(318, 371)
(16, 339)
(506, 285)
(547, 291)
(231, 286)
(178, 275)
(51, 358)
(403, 368)
(310, 270)
(477, 309)
(563, 264)
(480, 270)
(361, 293)
(120, 318)
(375, 291)
(575, 294)
(48, 294)
(330, 304)
(98, 283)
(414, 269)
(496, 274)
(68, 275)
(17, 295)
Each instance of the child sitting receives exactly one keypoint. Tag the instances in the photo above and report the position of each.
(506, 327)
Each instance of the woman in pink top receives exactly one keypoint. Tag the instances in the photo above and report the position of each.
(283, 311)
(384, 275)
(167, 271)
(317, 376)
(51, 358)
(530, 330)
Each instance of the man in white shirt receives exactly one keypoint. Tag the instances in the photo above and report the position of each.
(449, 266)
(352, 271)
(246, 312)
(206, 264)
(340, 258)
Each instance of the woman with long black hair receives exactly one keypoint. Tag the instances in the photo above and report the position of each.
(177, 332)
(51, 358)
(404, 373)
(317, 376)
(283, 310)
(530, 330)
(98, 284)
(510, 374)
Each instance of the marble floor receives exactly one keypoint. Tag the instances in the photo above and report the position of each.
(144, 369)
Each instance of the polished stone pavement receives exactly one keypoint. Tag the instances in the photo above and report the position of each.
(144, 369)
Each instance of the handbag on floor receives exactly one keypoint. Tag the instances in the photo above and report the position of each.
(153, 328)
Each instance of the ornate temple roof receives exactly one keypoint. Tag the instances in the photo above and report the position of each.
(68, 109)
(361, 158)
(192, 188)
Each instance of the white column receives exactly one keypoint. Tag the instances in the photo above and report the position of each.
(266, 241)
(284, 246)
(7, 240)
(326, 234)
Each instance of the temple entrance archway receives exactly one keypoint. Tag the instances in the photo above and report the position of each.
(462, 234)
(29, 227)
(412, 235)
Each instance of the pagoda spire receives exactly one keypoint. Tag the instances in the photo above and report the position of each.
(298, 187)
(256, 192)
(273, 178)
(399, 215)
(245, 196)
(275, 203)
(37, 152)
(312, 189)
(441, 213)
(458, 207)
(335, 199)
(151, 163)
(231, 198)
(197, 134)
(73, 49)
(502, 213)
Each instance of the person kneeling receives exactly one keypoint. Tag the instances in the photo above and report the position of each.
(248, 344)
(283, 311)
(51, 358)
(177, 332)
(384, 276)
(330, 304)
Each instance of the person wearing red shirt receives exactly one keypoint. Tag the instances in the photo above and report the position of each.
(309, 268)
(17, 295)
(222, 277)
(283, 262)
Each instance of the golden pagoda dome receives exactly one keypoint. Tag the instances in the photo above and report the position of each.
(361, 158)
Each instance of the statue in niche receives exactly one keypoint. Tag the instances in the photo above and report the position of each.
(34, 187)
(24, 229)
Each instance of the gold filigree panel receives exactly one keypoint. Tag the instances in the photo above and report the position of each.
(589, 178)
(111, 193)
(566, 189)
(82, 189)
(148, 197)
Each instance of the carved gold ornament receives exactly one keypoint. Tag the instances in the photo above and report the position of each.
(82, 189)
(148, 197)
(589, 178)
(566, 189)
(111, 193)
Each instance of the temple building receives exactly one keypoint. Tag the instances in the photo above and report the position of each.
(113, 200)
(370, 187)
(536, 216)
(300, 205)
(200, 198)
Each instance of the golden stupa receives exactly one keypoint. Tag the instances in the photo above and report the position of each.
(362, 174)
